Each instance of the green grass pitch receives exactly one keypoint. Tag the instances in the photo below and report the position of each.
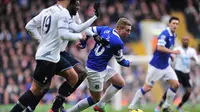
(145, 108)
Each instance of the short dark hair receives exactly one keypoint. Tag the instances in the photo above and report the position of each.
(173, 18)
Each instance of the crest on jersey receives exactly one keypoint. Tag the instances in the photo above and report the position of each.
(106, 31)
(162, 37)
(65, 20)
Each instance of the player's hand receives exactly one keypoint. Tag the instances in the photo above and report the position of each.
(96, 8)
(130, 63)
(193, 59)
(80, 46)
(83, 36)
(172, 57)
(103, 41)
(176, 52)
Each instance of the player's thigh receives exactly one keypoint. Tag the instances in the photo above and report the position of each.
(95, 95)
(187, 83)
(153, 75)
(113, 77)
(171, 77)
(169, 74)
(179, 76)
(44, 72)
(95, 80)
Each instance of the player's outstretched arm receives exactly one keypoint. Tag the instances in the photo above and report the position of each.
(67, 35)
(80, 27)
(87, 31)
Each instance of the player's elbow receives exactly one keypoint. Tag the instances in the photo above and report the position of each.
(27, 27)
(159, 48)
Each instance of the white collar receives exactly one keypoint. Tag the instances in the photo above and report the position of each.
(115, 33)
(170, 32)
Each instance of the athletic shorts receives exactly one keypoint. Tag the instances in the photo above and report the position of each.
(44, 72)
(183, 78)
(155, 74)
(96, 79)
(66, 62)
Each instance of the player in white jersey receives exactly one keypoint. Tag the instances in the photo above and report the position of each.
(182, 69)
(67, 88)
(54, 23)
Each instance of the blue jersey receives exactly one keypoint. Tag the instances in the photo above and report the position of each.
(160, 59)
(100, 55)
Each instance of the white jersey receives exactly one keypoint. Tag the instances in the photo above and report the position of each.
(77, 26)
(183, 60)
(54, 28)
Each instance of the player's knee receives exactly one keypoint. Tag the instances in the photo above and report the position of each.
(46, 88)
(122, 83)
(188, 91)
(36, 88)
(95, 99)
(176, 85)
(147, 88)
(42, 89)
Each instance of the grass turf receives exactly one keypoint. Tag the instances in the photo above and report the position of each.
(145, 108)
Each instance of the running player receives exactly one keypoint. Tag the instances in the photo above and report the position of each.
(54, 23)
(182, 69)
(62, 69)
(98, 69)
(160, 68)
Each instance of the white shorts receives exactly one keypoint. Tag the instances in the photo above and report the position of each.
(96, 79)
(155, 74)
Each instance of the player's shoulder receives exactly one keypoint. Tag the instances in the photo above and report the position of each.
(60, 11)
(107, 28)
(116, 40)
(191, 49)
(164, 34)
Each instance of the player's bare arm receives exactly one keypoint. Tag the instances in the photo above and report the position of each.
(166, 50)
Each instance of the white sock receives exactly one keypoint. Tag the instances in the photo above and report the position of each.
(110, 92)
(81, 105)
(170, 97)
(139, 94)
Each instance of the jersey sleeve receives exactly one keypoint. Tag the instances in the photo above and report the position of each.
(97, 29)
(119, 55)
(120, 58)
(33, 25)
(196, 57)
(63, 27)
(77, 19)
(80, 27)
(162, 40)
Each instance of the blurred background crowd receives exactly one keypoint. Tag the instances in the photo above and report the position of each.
(17, 48)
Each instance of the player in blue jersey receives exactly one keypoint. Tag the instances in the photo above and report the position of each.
(98, 68)
(160, 68)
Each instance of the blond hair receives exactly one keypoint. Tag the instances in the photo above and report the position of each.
(122, 22)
